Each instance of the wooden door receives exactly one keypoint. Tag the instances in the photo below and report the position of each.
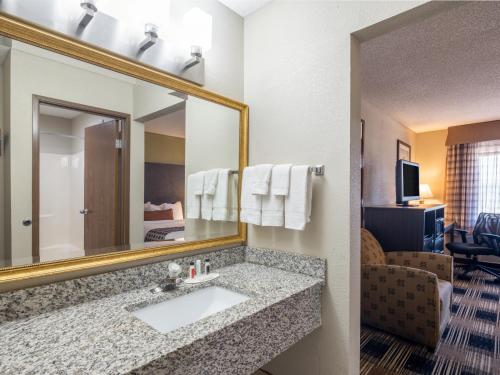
(103, 227)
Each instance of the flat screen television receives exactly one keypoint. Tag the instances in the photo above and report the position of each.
(407, 182)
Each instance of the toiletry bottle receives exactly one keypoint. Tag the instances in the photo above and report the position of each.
(198, 267)
(207, 266)
(192, 271)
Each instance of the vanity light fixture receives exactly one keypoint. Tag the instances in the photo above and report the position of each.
(89, 12)
(151, 32)
(196, 58)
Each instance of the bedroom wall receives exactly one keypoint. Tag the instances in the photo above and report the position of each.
(431, 154)
(302, 86)
(164, 149)
(380, 154)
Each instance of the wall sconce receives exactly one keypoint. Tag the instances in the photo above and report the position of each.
(196, 58)
(89, 11)
(151, 32)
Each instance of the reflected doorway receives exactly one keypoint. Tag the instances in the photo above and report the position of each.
(80, 180)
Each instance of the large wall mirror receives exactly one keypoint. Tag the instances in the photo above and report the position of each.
(101, 166)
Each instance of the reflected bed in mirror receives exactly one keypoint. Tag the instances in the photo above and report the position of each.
(97, 162)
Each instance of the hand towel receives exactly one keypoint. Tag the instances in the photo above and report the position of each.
(233, 197)
(251, 204)
(194, 191)
(280, 179)
(262, 176)
(209, 187)
(273, 205)
(298, 201)
(221, 197)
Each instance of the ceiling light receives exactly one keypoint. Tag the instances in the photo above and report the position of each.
(197, 26)
(134, 14)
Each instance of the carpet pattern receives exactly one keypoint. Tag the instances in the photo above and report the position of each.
(470, 344)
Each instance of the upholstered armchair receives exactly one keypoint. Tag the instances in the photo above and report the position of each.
(405, 293)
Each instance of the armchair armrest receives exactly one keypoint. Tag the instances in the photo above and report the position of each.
(401, 300)
(463, 234)
(493, 240)
(439, 264)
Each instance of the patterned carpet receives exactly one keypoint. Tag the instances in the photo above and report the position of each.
(470, 344)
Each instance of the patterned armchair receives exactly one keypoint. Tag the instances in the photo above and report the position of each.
(405, 293)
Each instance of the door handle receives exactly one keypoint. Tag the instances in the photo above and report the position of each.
(27, 222)
(85, 211)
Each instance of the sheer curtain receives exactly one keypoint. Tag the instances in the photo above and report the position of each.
(472, 181)
(488, 154)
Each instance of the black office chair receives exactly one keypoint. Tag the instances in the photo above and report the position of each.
(486, 236)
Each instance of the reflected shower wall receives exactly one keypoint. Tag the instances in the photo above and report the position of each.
(61, 190)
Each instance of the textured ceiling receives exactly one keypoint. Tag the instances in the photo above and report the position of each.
(244, 7)
(440, 72)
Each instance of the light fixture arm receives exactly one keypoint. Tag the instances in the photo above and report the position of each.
(89, 11)
(196, 58)
(151, 32)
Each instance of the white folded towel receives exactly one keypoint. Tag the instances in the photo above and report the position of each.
(273, 204)
(251, 204)
(273, 210)
(262, 176)
(298, 201)
(233, 198)
(209, 187)
(194, 191)
(221, 197)
(280, 179)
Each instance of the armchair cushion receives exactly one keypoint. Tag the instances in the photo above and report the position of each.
(402, 300)
(371, 251)
(439, 264)
(445, 293)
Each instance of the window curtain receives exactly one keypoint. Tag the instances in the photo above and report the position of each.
(472, 181)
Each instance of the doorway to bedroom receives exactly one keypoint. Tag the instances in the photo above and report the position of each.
(164, 175)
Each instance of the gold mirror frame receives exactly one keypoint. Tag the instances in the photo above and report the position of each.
(23, 31)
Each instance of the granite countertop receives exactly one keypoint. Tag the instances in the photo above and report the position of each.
(102, 337)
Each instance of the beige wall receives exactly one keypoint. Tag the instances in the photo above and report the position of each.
(380, 154)
(6, 209)
(159, 148)
(303, 94)
(431, 155)
(3, 252)
(212, 141)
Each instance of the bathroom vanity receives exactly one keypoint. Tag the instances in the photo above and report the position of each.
(88, 325)
(90, 185)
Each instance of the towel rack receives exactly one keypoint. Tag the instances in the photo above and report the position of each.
(318, 170)
(233, 172)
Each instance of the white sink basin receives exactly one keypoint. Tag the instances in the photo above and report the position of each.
(186, 309)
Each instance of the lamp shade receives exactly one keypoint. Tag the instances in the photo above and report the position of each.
(425, 191)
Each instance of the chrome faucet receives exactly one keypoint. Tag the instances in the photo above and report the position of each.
(172, 280)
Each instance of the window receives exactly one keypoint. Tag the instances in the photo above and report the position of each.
(489, 176)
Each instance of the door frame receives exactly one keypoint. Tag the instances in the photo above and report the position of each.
(124, 172)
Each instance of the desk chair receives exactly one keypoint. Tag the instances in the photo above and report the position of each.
(486, 241)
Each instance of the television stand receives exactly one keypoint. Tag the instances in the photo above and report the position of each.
(415, 228)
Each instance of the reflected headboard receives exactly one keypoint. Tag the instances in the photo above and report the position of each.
(164, 183)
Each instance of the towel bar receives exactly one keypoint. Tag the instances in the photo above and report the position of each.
(318, 170)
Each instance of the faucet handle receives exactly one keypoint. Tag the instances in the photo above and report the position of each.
(174, 270)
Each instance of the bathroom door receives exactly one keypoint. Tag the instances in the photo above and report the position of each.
(102, 191)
